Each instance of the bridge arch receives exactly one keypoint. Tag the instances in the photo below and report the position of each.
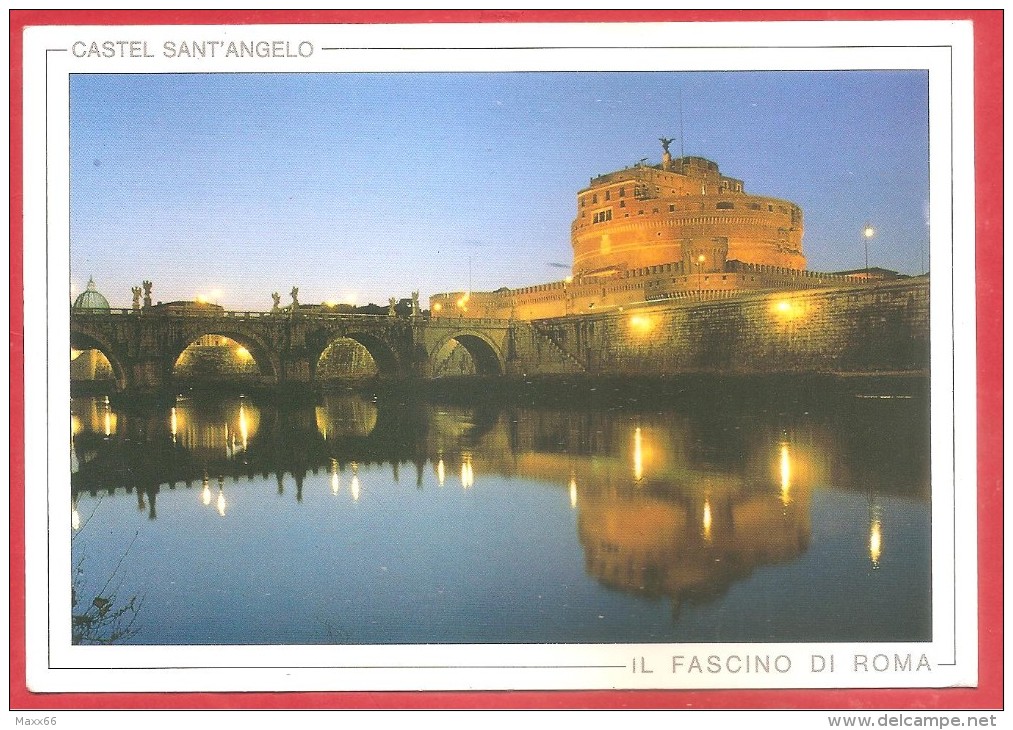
(262, 354)
(383, 354)
(81, 340)
(484, 352)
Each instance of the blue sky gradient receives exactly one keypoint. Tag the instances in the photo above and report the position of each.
(358, 187)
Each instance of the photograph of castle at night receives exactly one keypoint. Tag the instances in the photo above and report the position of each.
(500, 358)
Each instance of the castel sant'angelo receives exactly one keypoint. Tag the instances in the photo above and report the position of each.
(679, 229)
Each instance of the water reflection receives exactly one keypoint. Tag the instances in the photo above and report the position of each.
(339, 416)
(335, 478)
(638, 455)
(354, 486)
(467, 471)
(213, 428)
(664, 504)
(785, 474)
(875, 532)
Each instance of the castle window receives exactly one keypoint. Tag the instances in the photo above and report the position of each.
(671, 208)
(754, 206)
(583, 202)
(603, 215)
(608, 195)
(640, 212)
(770, 208)
(622, 203)
(622, 192)
(725, 205)
(655, 211)
(594, 198)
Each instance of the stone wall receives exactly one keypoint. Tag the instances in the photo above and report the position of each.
(884, 328)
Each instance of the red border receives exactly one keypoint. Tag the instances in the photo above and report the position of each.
(988, 52)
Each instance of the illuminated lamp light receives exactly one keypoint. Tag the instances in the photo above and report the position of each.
(786, 309)
(641, 323)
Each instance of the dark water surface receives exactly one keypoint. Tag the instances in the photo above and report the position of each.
(380, 518)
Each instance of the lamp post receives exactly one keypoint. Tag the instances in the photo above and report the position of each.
(867, 232)
(699, 271)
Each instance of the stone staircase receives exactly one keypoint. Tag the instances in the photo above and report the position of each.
(565, 362)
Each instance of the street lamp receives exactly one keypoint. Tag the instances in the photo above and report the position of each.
(699, 271)
(867, 232)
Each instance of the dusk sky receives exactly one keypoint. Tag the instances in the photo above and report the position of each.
(357, 187)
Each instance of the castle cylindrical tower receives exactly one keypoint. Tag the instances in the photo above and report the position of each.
(682, 211)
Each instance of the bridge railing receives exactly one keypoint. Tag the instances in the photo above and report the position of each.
(225, 314)
(470, 321)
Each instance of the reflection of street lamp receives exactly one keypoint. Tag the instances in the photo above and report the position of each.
(867, 232)
(708, 519)
(699, 271)
(875, 530)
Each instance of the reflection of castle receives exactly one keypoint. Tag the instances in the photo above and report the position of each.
(664, 231)
(690, 548)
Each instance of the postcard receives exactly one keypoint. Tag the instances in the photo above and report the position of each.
(500, 356)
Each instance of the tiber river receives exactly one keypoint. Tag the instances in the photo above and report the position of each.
(388, 518)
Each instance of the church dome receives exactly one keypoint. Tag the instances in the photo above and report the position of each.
(91, 299)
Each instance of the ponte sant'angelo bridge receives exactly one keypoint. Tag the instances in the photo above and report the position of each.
(143, 346)
(855, 329)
